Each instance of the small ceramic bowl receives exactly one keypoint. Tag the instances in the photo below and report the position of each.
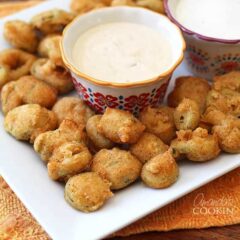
(206, 56)
(133, 96)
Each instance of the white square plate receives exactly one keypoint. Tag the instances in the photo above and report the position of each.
(27, 175)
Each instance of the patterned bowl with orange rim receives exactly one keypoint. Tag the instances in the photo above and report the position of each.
(206, 56)
(131, 96)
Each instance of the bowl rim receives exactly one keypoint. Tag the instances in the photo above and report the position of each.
(193, 33)
(127, 84)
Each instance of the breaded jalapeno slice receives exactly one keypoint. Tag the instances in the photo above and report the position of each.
(87, 192)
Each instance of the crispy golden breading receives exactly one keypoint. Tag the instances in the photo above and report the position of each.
(49, 47)
(72, 108)
(18, 62)
(83, 6)
(227, 81)
(56, 76)
(46, 143)
(160, 122)
(154, 5)
(192, 88)
(197, 145)
(226, 128)
(187, 115)
(27, 90)
(4, 73)
(52, 21)
(68, 160)
(87, 192)
(120, 126)
(117, 166)
(21, 35)
(147, 147)
(28, 121)
(226, 100)
(123, 3)
(160, 171)
(228, 133)
(99, 141)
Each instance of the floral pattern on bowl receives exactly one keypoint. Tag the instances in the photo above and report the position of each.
(130, 100)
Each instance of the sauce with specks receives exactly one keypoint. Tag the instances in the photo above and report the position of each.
(122, 52)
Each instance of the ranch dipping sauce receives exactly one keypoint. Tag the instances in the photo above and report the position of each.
(122, 52)
(212, 18)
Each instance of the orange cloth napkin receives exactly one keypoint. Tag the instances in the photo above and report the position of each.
(215, 204)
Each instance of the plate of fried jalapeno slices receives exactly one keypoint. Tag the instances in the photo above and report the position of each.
(85, 175)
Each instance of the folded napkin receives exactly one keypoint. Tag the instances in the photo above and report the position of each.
(215, 204)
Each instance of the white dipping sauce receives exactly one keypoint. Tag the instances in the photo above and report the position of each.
(212, 18)
(122, 52)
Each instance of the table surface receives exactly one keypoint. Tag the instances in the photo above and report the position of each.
(218, 233)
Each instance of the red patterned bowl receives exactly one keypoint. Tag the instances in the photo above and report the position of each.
(133, 96)
(206, 56)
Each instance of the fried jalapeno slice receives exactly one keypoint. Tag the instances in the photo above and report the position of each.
(87, 192)
(147, 147)
(160, 172)
(52, 21)
(21, 35)
(197, 145)
(28, 121)
(159, 121)
(18, 63)
(120, 126)
(119, 167)
(67, 160)
(46, 143)
(27, 90)
(72, 108)
(56, 76)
